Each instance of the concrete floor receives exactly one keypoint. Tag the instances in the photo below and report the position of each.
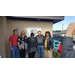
(36, 56)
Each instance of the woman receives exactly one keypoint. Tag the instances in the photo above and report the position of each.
(22, 44)
(48, 45)
(32, 47)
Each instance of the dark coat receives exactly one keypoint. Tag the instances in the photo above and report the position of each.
(67, 48)
(23, 42)
(49, 43)
(32, 45)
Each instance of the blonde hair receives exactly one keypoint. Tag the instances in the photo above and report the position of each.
(21, 33)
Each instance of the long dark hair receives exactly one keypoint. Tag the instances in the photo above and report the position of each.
(48, 33)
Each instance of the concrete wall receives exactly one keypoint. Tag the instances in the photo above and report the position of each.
(3, 36)
(22, 25)
(7, 26)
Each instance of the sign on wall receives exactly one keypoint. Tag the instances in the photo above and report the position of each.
(32, 29)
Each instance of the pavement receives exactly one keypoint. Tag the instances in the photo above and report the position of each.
(36, 56)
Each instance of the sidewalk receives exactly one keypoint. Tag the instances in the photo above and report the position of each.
(36, 56)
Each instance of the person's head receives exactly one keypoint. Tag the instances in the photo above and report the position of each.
(22, 33)
(47, 34)
(15, 32)
(32, 35)
(39, 33)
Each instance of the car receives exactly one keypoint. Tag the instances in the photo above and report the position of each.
(58, 38)
(74, 42)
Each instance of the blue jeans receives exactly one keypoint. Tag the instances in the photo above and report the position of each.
(41, 51)
(15, 52)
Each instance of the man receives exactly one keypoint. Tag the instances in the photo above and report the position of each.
(67, 45)
(14, 44)
(40, 44)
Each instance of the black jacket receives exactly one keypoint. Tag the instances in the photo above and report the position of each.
(23, 42)
(32, 45)
(67, 48)
(49, 43)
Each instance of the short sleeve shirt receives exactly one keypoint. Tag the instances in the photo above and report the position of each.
(13, 39)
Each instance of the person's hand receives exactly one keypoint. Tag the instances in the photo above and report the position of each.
(11, 49)
(70, 30)
(19, 48)
(45, 48)
(50, 49)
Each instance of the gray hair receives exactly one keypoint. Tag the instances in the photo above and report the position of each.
(39, 31)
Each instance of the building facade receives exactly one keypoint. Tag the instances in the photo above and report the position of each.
(7, 24)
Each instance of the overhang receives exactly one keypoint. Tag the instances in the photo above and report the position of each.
(53, 19)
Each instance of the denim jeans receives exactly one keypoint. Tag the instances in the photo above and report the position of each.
(41, 51)
(15, 52)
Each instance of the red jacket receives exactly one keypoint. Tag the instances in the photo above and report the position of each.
(60, 48)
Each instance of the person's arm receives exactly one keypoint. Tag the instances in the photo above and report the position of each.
(67, 44)
(26, 39)
(36, 39)
(67, 48)
(10, 39)
(43, 38)
(19, 43)
(10, 45)
(19, 46)
(51, 42)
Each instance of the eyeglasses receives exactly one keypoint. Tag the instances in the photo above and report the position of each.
(23, 33)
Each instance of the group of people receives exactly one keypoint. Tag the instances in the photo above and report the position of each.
(20, 45)
(42, 44)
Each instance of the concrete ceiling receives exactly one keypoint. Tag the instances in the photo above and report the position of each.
(53, 19)
(43, 17)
